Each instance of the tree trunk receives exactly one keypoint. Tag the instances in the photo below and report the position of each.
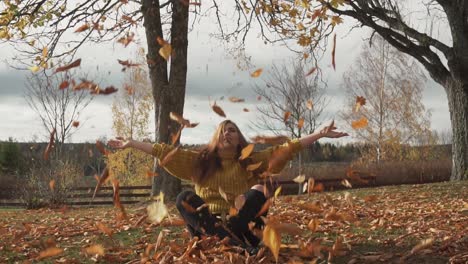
(457, 94)
(168, 93)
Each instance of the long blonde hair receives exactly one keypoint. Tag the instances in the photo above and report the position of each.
(209, 161)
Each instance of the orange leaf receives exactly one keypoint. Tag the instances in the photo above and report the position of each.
(313, 224)
(104, 177)
(360, 101)
(104, 229)
(287, 114)
(311, 185)
(233, 211)
(128, 19)
(69, 66)
(50, 145)
(247, 151)
(169, 156)
(264, 208)
(176, 137)
(188, 207)
(100, 146)
(318, 187)
(150, 174)
(127, 39)
(218, 110)
(75, 123)
(273, 140)
(256, 73)
(300, 123)
(50, 252)
(311, 71)
(165, 51)
(82, 28)
(179, 119)
(94, 250)
(52, 185)
(64, 85)
(333, 52)
(361, 123)
(116, 195)
(309, 104)
(236, 99)
(161, 41)
(253, 167)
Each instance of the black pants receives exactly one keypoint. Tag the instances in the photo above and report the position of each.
(204, 223)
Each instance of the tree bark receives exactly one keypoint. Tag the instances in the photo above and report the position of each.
(168, 93)
(457, 94)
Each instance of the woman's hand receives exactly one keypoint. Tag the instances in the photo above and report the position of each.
(328, 131)
(119, 143)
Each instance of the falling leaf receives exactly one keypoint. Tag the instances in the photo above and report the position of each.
(218, 110)
(127, 63)
(425, 243)
(104, 177)
(361, 123)
(94, 250)
(108, 90)
(239, 202)
(299, 178)
(272, 239)
(157, 211)
(360, 101)
(179, 119)
(52, 185)
(50, 252)
(313, 224)
(253, 167)
(318, 187)
(175, 137)
(192, 125)
(333, 52)
(277, 192)
(259, 98)
(104, 229)
(256, 73)
(169, 156)
(165, 51)
(246, 151)
(82, 28)
(309, 104)
(287, 114)
(128, 19)
(311, 71)
(273, 140)
(67, 67)
(233, 211)
(44, 52)
(150, 174)
(75, 123)
(223, 194)
(130, 90)
(236, 99)
(311, 184)
(245, 110)
(49, 147)
(100, 146)
(64, 85)
(346, 183)
(300, 123)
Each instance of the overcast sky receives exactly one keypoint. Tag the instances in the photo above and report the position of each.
(211, 73)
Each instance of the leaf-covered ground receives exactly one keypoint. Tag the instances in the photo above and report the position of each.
(398, 224)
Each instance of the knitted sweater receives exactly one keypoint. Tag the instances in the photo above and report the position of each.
(232, 178)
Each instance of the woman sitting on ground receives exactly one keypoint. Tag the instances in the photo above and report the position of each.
(217, 167)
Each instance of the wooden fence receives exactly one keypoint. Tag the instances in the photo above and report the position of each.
(82, 196)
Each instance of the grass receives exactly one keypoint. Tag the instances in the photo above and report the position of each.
(388, 227)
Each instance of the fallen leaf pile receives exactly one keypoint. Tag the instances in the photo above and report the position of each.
(407, 224)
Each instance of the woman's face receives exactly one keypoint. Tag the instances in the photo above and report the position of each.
(229, 137)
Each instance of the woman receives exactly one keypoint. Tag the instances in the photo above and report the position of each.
(217, 167)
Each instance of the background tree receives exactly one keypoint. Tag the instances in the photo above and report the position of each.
(392, 85)
(131, 117)
(56, 108)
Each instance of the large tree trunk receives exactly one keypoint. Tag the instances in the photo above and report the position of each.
(457, 94)
(168, 93)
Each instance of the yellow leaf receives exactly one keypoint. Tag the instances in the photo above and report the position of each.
(256, 73)
(165, 51)
(44, 52)
(277, 192)
(247, 151)
(253, 167)
(299, 179)
(157, 211)
(309, 104)
(35, 68)
(223, 194)
(94, 250)
(361, 123)
(272, 239)
(52, 185)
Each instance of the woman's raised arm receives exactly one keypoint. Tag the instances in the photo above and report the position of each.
(120, 143)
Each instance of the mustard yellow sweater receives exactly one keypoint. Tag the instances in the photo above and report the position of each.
(232, 178)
